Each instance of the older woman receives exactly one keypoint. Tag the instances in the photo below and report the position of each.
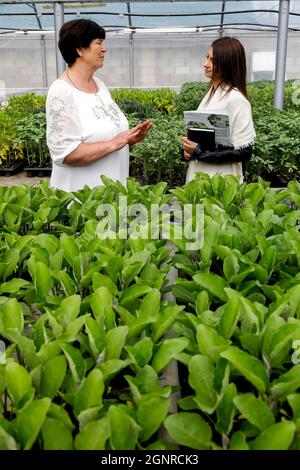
(225, 66)
(87, 133)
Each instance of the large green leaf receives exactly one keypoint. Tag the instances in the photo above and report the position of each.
(93, 436)
(30, 421)
(70, 248)
(96, 336)
(211, 234)
(133, 292)
(52, 376)
(133, 266)
(250, 367)
(27, 348)
(56, 435)
(152, 409)
(202, 302)
(254, 410)
(115, 341)
(226, 410)
(248, 310)
(59, 413)
(111, 367)
(268, 259)
(123, 429)
(9, 261)
(43, 281)
(213, 284)
(273, 323)
(189, 430)
(141, 352)
(230, 317)
(90, 393)
(19, 384)
(7, 442)
(210, 343)
(201, 379)
(279, 436)
(76, 362)
(101, 301)
(73, 328)
(150, 304)
(282, 342)
(100, 280)
(287, 383)
(294, 401)
(13, 286)
(230, 266)
(46, 241)
(165, 319)
(12, 316)
(68, 285)
(68, 310)
(238, 441)
(166, 352)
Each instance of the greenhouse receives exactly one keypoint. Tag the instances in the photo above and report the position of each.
(149, 228)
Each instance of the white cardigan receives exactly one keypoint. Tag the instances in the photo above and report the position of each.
(242, 131)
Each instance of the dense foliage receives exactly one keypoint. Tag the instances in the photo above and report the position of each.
(87, 333)
(276, 154)
(23, 132)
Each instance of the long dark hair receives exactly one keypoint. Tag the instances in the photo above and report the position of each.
(229, 64)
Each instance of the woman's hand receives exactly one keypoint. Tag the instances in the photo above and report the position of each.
(132, 136)
(139, 132)
(188, 148)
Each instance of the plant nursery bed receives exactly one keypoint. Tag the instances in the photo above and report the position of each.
(11, 170)
(38, 171)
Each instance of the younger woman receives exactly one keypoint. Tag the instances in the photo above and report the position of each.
(226, 68)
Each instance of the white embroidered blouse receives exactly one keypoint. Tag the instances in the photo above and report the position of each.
(242, 131)
(75, 116)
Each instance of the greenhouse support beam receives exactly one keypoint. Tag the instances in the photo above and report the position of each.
(58, 22)
(282, 39)
(43, 48)
(131, 60)
(222, 19)
(44, 62)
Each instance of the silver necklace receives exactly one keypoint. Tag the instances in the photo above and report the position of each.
(95, 93)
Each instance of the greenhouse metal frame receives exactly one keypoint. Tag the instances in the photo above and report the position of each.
(59, 18)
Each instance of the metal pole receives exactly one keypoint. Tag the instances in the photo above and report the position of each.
(44, 62)
(58, 22)
(282, 38)
(131, 49)
(222, 19)
(43, 48)
(131, 60)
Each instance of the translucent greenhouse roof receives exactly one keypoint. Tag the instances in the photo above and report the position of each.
(114, 15)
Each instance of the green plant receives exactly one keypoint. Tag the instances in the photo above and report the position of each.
(18, 109)
(10, 150)
(161, 98)
(88, 335)
(31, 135)
(276, 152)
(189, 97)
(158, 157)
